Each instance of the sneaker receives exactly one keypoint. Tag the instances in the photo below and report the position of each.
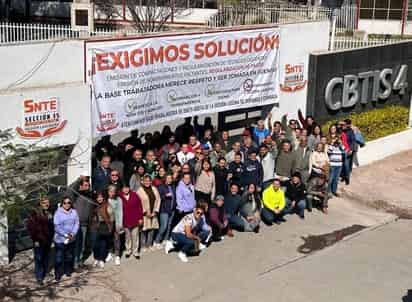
(137, 256)
(109, 257)
(128, 255)
(117, 260)
(95, 263)
(222, 237)
(101, 264)
(182, 256)
(202, 246)
(169, 246)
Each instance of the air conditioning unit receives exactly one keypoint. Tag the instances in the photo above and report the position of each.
(82, 15)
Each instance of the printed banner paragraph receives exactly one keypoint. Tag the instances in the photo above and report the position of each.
(140, 82)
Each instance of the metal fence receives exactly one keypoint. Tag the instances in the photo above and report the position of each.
(12, 33)
(230, 16)
(351, 42)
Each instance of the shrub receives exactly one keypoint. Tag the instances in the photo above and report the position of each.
(378, 122)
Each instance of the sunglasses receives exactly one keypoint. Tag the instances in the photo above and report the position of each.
(199, 212)
(67, 202)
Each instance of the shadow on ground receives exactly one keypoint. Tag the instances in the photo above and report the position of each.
(314, 243)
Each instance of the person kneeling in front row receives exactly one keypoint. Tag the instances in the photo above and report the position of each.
(190, 234)
(317, 194)
(295, 196)
(273, 204)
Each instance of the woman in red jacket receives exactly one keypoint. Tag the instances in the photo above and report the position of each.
(40, 227)
(132, 220)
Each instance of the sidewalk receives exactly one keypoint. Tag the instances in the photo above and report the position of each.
(384, 185)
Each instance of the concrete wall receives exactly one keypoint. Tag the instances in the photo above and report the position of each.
(390, 27)
(41, 64)
(297, 42)
(325, 66)
(384, 147)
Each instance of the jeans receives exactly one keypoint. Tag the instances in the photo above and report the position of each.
(41, 261)
(236, 222)
(146, 238)
(299, 207)
(187, 245)
(64, 259)
(80, 244)
(165, 226)
(114, 243)
(269, 217)
(347, 167)
(100, 247)
(132, 240)
(334, 174)
(250, 226)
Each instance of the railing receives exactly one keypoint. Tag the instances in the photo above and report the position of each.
(12, 33)
(351, 42)
(229, 16)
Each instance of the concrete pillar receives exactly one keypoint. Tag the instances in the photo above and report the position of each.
(82, 15)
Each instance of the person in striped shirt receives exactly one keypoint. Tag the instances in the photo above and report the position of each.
(335, 153)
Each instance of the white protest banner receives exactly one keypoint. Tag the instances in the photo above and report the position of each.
(139, 82)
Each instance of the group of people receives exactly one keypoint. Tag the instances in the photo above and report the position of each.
(184, 190)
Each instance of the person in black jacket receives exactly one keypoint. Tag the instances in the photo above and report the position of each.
(221, 173)
(41, 229)
(253, 171)
(101, 175)
(295, 195)
(236, 170)
(130, 167)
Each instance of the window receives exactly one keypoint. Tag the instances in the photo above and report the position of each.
(381, 9)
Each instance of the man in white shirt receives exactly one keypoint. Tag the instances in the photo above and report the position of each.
(190, 234)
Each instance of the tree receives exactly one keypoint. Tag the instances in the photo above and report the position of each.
(27, 172)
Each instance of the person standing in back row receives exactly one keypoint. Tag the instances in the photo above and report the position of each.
(132, 220)
(84, 207)
(66, 226)
(41, 229)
